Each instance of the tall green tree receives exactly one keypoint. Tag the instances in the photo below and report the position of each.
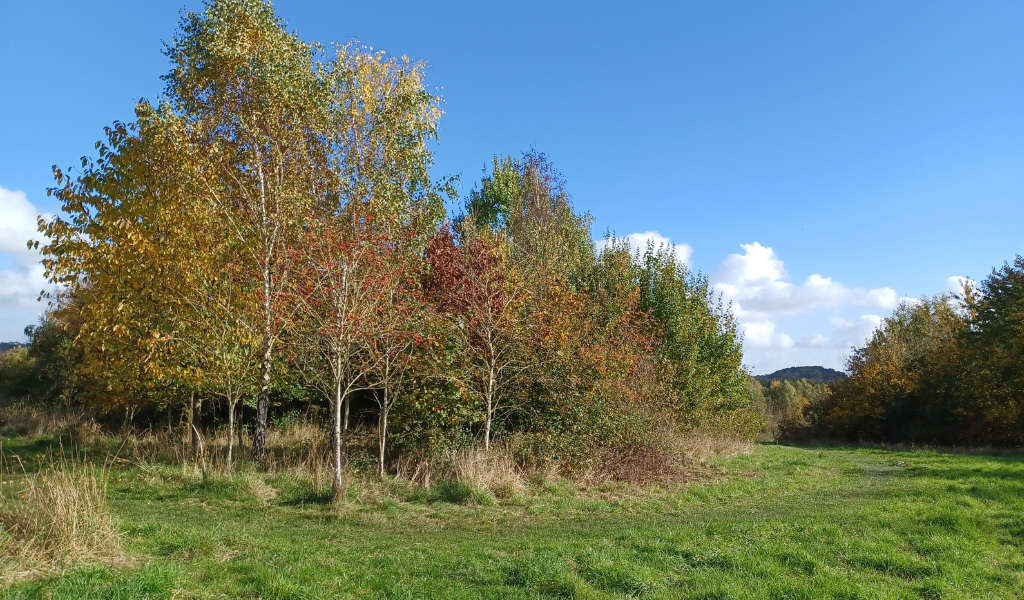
(526, 201)
(699, 338)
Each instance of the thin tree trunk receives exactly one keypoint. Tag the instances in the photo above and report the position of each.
(129, 419)
(490, 408)
(487, 426)
(241, 420)
(195, 423)
(231, 430)
(382, 428)
(344, 434)
(259, 436)
(337, 483)
(188, 436)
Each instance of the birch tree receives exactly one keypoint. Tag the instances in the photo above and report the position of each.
(398, 333)
(255, 113)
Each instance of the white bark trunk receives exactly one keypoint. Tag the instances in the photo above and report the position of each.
(337, 483)
(231, 430)
(382, 428)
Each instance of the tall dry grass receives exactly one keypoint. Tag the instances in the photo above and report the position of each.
(495, 471)
(32, 420)
(60, 518)
(299, 448)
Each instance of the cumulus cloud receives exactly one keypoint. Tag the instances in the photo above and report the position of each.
(17, 221)
(756, 283)
(768, 353)
(846, 335)
(762, 335)
(639, 241)
(20, 286)
(763, 296)
(956, 283)
(22, 280)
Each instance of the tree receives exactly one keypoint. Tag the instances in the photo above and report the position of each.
(699, 337)
(472, 285)
(396, 336)
(255, 114)
(525, 201)
(217, 335)
(902, 382)
(380, 119)
(108, 259)
(341, 284)
(993, 350)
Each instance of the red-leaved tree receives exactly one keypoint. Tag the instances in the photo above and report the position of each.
(342, 282)
(473, 285)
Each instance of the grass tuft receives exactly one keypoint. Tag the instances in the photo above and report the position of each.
(58, 520)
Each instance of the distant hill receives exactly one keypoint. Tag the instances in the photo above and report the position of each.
(791, 373)
(5, 346)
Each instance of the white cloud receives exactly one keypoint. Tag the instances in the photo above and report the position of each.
(956, 283)
(638, 241)
(21, 283)
(755, 282)
(762, 296)
(846, 335)
(20, 287)
(762, 334)
(829, 350)
(17, 221)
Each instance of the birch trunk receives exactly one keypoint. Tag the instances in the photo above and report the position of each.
(337, 484)
(382, 428)
(196, 424)
(231, 429)
(259, 436)
(241, 419)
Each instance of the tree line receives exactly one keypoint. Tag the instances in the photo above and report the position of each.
(946, 370)
(268, 231)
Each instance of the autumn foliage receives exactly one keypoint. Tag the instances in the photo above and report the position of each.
(267, 233)
(945, 370)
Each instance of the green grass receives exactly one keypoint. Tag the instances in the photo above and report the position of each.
(782, 522)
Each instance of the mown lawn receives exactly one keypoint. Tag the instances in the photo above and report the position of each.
(783, 522)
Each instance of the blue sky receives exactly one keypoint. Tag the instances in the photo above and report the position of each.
(818, 160)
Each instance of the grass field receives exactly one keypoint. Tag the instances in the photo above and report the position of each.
(782, 522)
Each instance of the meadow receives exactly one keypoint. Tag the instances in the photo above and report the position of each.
(776, 522)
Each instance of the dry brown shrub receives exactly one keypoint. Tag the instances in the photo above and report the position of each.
(700, 446)
(494, 470)
(641, 464)
(668, 459)
(60, 519)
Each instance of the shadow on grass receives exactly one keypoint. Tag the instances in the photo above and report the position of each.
(32, 454)
(1013, 454)
(308, 496)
